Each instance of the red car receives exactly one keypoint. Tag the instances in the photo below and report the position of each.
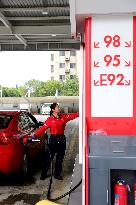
(15, 153)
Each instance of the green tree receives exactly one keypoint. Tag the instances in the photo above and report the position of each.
(40, 88)
(10, 92)
(41, 91)
(51, 86)
(70, 87)
(33, 86)
(21, 90)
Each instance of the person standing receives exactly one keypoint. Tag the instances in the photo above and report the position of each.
(57, 141)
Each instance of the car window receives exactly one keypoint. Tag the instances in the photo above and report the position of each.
(5, 120)
(25, 122)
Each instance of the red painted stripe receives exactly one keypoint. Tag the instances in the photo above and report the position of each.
(134, 67)
(87, 97)
(88, 65)
(114, 126)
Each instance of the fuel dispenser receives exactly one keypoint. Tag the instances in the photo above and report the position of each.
(110, 109)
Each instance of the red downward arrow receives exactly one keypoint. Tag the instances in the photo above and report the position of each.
(128, 44)
(127, 82)
(96, 45)
(127, 64)
(96, 83)
(96, 64)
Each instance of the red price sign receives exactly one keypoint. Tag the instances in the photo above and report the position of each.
(115, 60)
(112, 79)
(114, 41)
(111, 63)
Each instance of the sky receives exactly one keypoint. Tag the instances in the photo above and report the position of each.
(17, 67)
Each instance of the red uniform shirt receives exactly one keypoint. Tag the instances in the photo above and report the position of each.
(56, 125)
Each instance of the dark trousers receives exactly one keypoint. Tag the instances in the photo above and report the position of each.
(57, 146)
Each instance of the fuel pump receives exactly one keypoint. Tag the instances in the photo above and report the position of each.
(106, 78)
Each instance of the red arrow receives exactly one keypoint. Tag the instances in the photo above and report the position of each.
(127, 64)
(96, 64)
(96, 83)
(127, 82)
(96, 45)
(128, 44)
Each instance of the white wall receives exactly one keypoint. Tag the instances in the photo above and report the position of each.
(105, 6)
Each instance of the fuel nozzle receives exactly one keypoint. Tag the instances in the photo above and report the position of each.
(35, 139)
(26, 140)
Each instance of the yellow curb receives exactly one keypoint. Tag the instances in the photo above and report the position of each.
(46, 202)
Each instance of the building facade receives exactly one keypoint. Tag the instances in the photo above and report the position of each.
(63, 65)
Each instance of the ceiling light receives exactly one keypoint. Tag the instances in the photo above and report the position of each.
(44, 12)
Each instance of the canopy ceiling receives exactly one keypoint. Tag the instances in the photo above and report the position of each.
(36, 25)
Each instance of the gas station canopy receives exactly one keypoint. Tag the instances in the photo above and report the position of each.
(36, 25)
(52, 24)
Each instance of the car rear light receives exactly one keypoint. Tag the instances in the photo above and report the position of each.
(4, 140)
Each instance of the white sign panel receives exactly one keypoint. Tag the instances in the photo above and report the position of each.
(112, 66)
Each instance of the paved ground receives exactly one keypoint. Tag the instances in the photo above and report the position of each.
(14, 191)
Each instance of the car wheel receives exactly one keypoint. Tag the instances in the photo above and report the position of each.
(25, 165)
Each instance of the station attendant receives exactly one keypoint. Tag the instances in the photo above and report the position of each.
(57, 141)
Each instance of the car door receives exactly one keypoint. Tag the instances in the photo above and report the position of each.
(27, 126)
(40, 145)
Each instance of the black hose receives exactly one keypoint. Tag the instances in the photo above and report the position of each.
(49, 188)
(50, 184)
(67, 193)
